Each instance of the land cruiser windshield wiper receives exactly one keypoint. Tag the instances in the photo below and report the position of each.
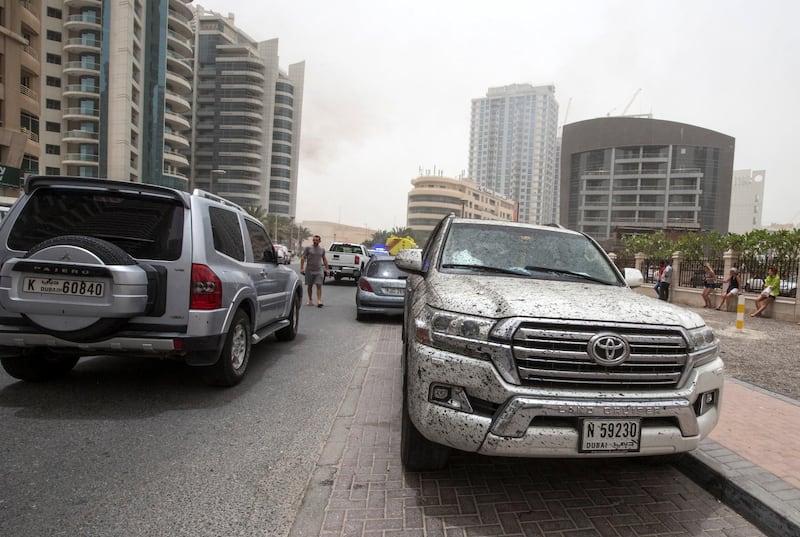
(483, 268)
(580, 275)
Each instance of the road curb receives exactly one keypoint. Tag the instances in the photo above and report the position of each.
(745, 487)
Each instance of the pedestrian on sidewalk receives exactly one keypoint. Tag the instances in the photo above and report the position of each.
(772, 288)
(709, 284)
(664, 281)
(734, 288)
(313, 259)
(656, 287)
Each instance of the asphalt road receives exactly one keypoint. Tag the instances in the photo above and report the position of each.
(126, 447)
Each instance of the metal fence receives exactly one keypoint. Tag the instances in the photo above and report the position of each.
(753, 270)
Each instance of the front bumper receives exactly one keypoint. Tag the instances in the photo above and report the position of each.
(510, 420)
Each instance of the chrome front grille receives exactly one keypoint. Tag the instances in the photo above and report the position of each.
(551, 354)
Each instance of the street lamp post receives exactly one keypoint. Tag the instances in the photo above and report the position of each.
(211, 179)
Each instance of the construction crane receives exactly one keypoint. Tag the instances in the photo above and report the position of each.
(627, 106)
(566, 113)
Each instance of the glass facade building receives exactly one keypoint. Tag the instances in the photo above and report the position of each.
(513, 148)
(623, 175)
(247, 116)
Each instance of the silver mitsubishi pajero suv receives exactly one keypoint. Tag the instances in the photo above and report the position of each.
(522, 340)
(97, 267)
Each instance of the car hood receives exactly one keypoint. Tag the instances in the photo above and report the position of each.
(499, 296)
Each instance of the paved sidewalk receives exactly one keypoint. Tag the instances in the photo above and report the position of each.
(359, 488)
(751, 460)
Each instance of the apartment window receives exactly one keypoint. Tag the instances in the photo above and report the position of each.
(54, 58)
(52, 126)
(53, 81)
(52, 171)
(52, 35)
(53, 104)
(53, 12)
(29, 122)
(51, 149)
(30, 164)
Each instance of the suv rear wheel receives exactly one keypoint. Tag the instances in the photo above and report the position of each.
(232, 363)
(290, 332)
(36, 365)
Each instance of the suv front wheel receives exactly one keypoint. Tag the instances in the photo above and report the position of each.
(232, 363)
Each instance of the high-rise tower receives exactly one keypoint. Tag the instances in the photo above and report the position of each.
(512, 148)
(247, 116)
(117, 84)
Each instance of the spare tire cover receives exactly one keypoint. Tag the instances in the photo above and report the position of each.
(78, 318)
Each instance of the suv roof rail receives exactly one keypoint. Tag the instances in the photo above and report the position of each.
(218, 199)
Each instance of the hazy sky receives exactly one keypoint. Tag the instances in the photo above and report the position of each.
(388, 85)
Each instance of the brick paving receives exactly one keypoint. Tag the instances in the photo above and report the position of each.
(773, 425)
(369, 493)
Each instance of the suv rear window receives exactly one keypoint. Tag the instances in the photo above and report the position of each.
(145, 227)
(385, 268)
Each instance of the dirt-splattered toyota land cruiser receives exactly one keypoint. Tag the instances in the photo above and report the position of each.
(98, 267)
(522, 340)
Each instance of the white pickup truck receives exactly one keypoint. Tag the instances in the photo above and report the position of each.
(347, 260)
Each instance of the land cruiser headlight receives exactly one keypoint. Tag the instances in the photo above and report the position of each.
(703, 345)
(466, 335)
(452, 331)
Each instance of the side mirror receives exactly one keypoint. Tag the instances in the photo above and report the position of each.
(633, 277)
(409, 260)
(281, 257)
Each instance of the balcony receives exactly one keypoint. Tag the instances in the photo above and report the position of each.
(176, 122)
(179, 23)
(82, 113)
(30, 135)
(179, 84)
(181, 45)
(80, 159)
(177, 102)
(81, 90)
(180, 65)
(176, 140)
(79, 136)
(76, 23)
(28, 92)
(79, 45)
(83, 3)
(176, 159)
(81, 68)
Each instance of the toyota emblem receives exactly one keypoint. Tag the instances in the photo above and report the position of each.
(608, 349)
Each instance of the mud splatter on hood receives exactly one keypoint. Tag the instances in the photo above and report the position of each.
(498, 297)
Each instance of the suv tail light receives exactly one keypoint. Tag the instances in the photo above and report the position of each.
(365, 286)
(357, 260)
(206, 291)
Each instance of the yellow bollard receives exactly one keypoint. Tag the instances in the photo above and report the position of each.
(740, 313)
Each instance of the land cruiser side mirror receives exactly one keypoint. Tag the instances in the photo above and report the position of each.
(633, 277)
(409, 260)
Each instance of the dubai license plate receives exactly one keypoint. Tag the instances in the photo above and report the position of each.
(58, 286)
(395, 291)
(610, 435)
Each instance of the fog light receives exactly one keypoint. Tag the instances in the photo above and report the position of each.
(705, 402)
(440, 393)
(449, 396)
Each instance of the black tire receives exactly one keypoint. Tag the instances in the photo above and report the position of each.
(38, 365)
(109, 253)
(232, 364)
(290, 332)
(417, 453)
(361, 316)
